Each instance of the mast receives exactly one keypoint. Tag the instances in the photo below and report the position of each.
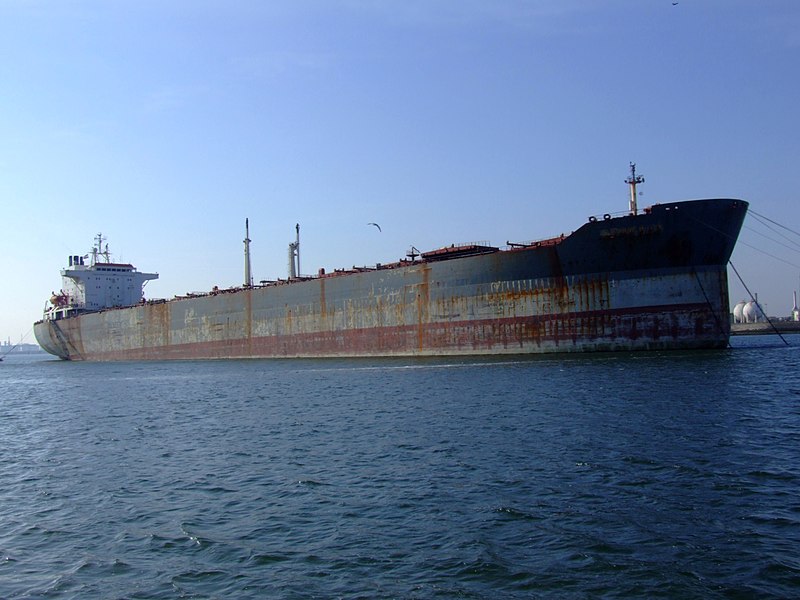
(297, 246)
(248, 277)
(97, 249)
(294, 255)
(632, 181)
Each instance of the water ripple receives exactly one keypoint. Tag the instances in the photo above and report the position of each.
(656, 475)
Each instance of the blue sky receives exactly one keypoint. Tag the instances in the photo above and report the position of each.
(164, 125)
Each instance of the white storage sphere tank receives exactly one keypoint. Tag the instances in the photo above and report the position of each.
(738, 312)
(752, 312)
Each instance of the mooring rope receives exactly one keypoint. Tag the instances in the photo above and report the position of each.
(775, 329)
(14, 347)
(708, 301)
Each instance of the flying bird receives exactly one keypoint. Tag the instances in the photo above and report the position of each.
(376, 225)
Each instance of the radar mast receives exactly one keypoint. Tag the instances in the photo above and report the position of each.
(97, 249)
(632, 181)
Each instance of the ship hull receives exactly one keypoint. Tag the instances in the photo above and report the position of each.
(647, 282)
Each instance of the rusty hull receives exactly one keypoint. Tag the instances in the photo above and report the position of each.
(654, 281)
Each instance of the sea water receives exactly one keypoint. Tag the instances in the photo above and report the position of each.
(610, 475)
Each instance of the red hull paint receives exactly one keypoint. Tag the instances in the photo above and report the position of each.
(647, 329)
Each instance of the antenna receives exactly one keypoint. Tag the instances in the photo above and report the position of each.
(97, 249)
(632, 181)
(248, 277)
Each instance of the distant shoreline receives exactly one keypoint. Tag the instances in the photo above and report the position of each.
(6, 349)
(765, 328)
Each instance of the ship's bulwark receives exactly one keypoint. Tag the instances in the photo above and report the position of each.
(653, 281)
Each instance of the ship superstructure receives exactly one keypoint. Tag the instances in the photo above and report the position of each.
(91, 282)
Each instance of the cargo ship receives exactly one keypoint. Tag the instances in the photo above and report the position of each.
(652, 279)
